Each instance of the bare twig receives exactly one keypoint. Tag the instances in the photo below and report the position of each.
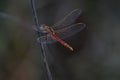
(41, 44)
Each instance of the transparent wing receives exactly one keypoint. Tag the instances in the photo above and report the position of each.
(46, 39)
(63, 33)
(70, 31)
(67, 20)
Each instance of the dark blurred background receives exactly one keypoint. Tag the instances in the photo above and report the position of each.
(97, 48)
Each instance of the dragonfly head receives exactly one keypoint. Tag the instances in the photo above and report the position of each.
(44, 28)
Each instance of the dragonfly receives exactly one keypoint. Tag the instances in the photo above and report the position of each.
(61, 30)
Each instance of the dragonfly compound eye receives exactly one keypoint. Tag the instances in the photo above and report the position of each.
(43, 27)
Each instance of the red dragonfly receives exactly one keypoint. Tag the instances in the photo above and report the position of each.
(59, 31)
(62, 29)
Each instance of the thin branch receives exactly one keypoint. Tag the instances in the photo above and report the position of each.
(41, 44)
